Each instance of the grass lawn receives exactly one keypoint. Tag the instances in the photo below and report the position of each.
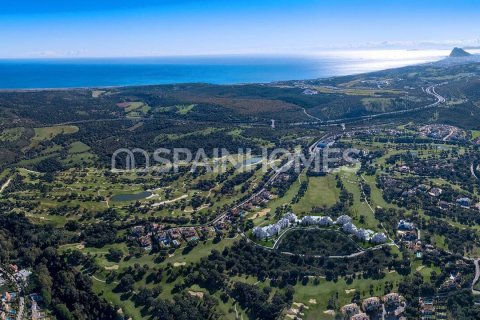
(5, 173)
(48, 133)
(30, 162)
(184, 109)
(97, 93)
(134, 106)
(56, 221)
(351, 182)
(79, 159)
(78, 147)
(321, 191)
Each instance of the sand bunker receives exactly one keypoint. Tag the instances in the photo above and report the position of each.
(197, 294)
(262, 213)
(179, 264)
(114, 267)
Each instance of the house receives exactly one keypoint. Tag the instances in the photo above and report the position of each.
(189, 234)
(22, 276)
(444, 205)
(410, 235)
(205, 231)
(449, 285)
(343, 219)
(273, 229)
(350, 310)
(325, 221)
(427, 309)
(371, 305)
(138, 231)
(393, 299)
(220, 226)
(318, 220)
(379, 238)
(363, 234)
(309, 220)
(175, 233)
(267, 195)
(423, 187)
(404, 225)
(261, 232)
(13, 268)
(349, 228)
(161, 236)
(145, 242)
(360, 316)
(464, 202)
(290, 216)
(404, 169)
(435, 192)
(310, 92)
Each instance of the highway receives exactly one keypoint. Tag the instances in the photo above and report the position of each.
(283, 168)
(429, 90)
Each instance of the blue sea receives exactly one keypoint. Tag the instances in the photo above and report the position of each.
(105, 72)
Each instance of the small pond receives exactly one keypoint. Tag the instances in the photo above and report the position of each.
(131, 196)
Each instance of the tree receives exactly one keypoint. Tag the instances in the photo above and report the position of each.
(114, 254)
(62, 312)
(126, 283)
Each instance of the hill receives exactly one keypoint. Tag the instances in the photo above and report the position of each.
(459, 52)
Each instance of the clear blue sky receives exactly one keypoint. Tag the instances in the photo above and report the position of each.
(95, 28)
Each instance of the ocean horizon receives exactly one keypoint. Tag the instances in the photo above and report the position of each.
(225, 69)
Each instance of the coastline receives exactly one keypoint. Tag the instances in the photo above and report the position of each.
(28, 78)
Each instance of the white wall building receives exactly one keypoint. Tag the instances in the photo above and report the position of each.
(343, 220)
(317, 220)
(349, 228)
(274, 229)
(379, 238)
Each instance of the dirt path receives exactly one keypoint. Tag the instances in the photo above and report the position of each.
(103, 281)
(170, 201)
(5, 185)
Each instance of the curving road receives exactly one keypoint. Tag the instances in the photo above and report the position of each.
(472, 170)
(477, 275)
(429, 90)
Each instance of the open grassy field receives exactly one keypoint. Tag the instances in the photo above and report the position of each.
(97, 93)
(78, 147)
(356, 91)
(184, 109)
(11, 134)
(48, 133)
(321, 191)
(359, 208)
